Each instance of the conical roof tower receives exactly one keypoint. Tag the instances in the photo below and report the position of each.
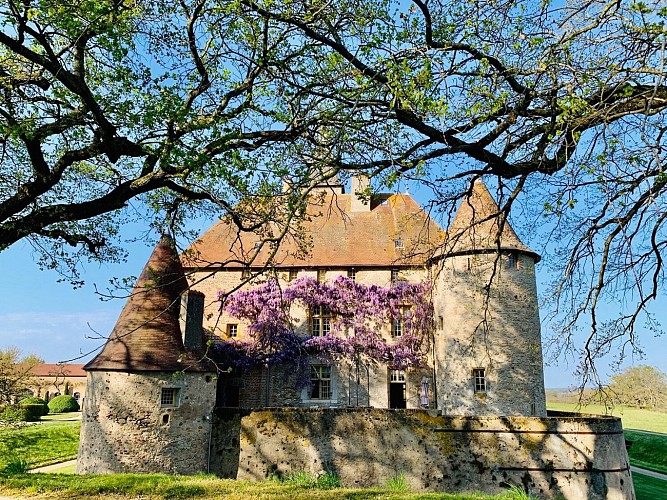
(147, 335)
(475, 228)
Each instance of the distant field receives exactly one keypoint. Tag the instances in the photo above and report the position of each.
(632, 418)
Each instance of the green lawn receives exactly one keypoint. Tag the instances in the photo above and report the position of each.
(159, 486)
(648, 451)
(40, 443)
(632, 418)
(61, 416)
(649, 488)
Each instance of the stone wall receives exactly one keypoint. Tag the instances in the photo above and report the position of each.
(124, 428)
(572, 458)
(494, 327)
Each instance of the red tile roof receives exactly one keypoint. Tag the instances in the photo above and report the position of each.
(53, 369)
(334, 235)
(147, 335)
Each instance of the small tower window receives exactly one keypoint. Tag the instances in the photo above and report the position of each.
(169, 397)
(513, 260)
(479, 379)
(232, 330)
(352, 274)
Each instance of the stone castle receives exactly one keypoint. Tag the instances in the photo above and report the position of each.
(474, 417)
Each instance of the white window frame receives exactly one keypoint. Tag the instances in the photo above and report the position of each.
(479, 380)
(320, 321)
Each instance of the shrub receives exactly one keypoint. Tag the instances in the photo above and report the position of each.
(32, 401)
(62, 404)
(17, 465)
(35, 412)
(15, 413)
(328, 480)
(398, 483)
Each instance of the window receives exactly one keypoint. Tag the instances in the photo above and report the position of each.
(399, 322)
(293, 273)
(320, 321)
(321, 275)
(320, 382)
(245, 274)
(441, 323)
(398, 243)
(396, 376)
(232, 330)
(394, 275)
(352, 274)
(169, 396)
(397, 327)
(479, 378)
(513, 260)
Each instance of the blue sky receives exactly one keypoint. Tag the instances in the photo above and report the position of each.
(56, 322)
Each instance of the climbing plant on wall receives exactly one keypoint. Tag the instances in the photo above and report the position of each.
(360, 317)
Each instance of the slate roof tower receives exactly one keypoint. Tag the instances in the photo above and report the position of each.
(488, 351)
(149, 398)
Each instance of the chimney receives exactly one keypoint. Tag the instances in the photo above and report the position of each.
(361, 193)
(191, 318)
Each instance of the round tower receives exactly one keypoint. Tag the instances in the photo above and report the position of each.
(149, 395)
(488, 351)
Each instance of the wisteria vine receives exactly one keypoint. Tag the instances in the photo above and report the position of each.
(359, 323)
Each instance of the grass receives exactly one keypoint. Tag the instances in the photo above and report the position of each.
(649, 488)
(648, 451)
(158, 486)
(39, 444)
(632, 418)
(51, 417)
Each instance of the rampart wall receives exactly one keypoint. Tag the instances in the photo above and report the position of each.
(572, 458)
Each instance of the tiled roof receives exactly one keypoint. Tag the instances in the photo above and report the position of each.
(53, 369)
(147, 335)
(475, 227)
(334, 235)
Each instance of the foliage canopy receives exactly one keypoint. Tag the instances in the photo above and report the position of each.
(113, 108)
